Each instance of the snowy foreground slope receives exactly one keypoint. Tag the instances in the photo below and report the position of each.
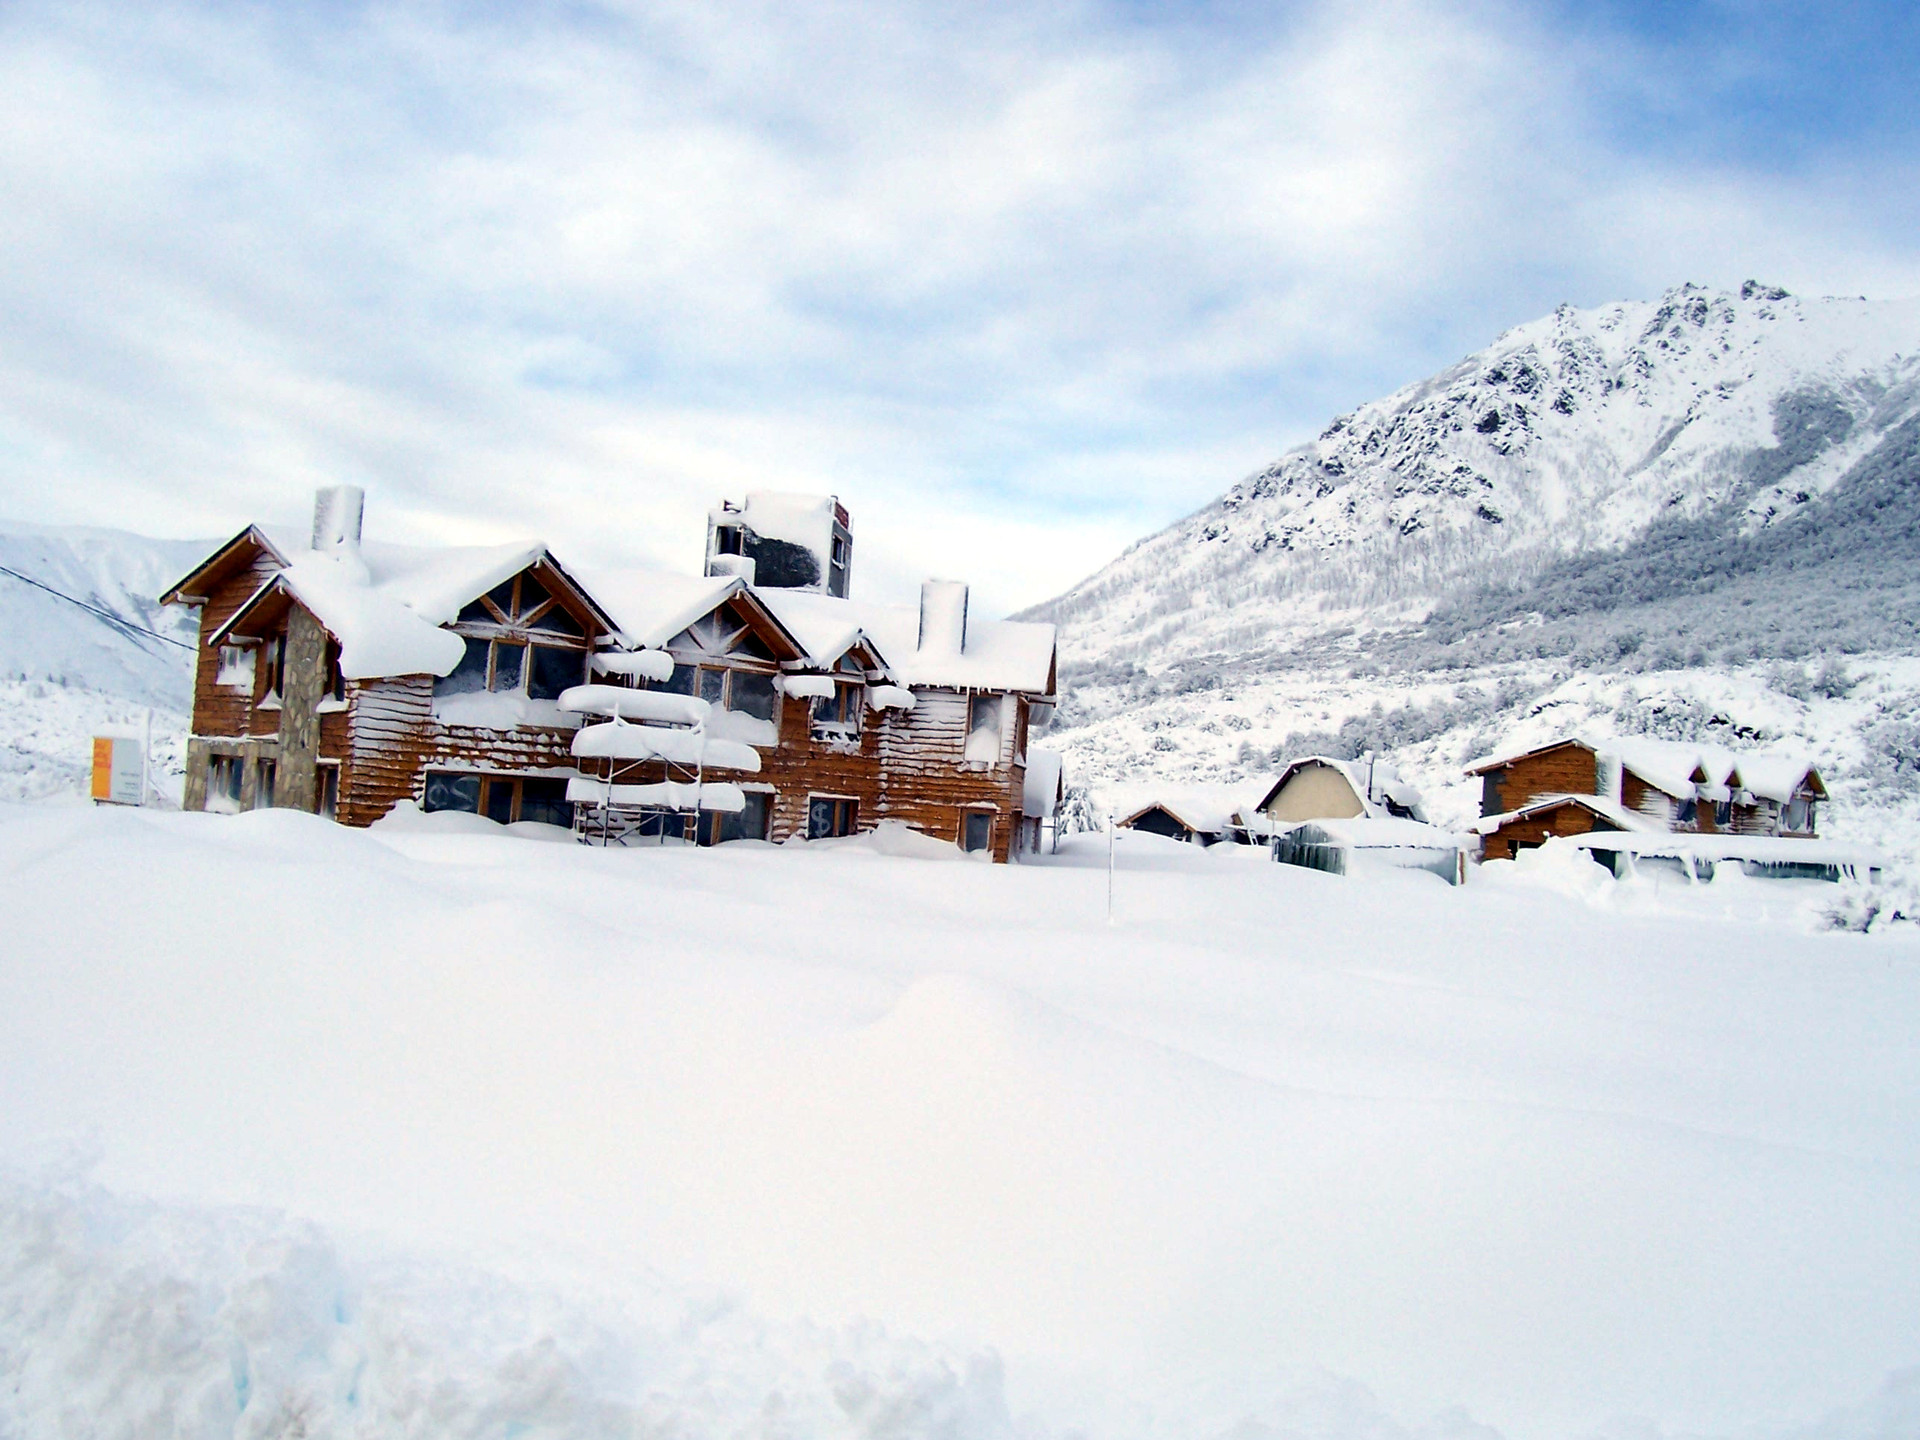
(67, 675)
(438, 1131)
(1697, 517)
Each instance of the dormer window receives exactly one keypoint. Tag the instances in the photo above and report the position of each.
(839, 711)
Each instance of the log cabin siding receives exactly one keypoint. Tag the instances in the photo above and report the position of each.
(1531, 830)
(1566, 769)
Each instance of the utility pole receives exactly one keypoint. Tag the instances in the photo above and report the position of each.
(1110, 834)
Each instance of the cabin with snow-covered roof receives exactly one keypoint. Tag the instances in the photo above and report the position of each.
(1574, 786)
(344, 678)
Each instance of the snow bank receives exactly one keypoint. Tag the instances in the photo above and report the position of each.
(1478, 1147)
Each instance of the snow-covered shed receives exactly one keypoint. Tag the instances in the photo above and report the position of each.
(1197, 812)
(1345, 846)
(1576, 784)
(1317, 787)
(1043, 793)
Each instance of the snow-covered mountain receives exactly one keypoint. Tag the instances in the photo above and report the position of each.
(1702, 512)
(68, 673)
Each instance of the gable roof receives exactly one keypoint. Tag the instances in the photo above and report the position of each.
(1613, 813)
(233, 555)
(1386, 782)
(386, 604)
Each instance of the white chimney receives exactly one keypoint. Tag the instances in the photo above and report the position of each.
(336, 518)
(943, 616)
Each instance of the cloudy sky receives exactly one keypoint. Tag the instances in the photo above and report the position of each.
(1020, 283)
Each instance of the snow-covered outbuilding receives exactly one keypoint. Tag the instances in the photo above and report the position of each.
(1344, 846)
(1316, 787)
(1635, 785)
(344, 678)
(1198, 813)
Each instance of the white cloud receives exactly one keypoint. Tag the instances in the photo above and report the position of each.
(1016, 285)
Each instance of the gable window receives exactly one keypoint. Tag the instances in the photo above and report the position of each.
(839, 711)
(976, 830)
(235, 667)
(753, 694)
(713, 686)
(275, 653)
(555, 670)
(983, 729)
(829, 816)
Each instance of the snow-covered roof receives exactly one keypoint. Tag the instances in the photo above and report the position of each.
(996, 655)
(1388, 783)
(1609, 810)
(1771, 849)
(1388, 833)
(378, 634)
(1671, 765)
(650, 607)
(779, 515)
(1042, 791)
(1207, 807)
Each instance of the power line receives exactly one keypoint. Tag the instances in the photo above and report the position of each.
(106, 615)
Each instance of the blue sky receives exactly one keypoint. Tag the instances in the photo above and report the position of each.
(1021, 283)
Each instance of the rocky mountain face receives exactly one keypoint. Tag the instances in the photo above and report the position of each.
(1697, 517)
(1573, 436)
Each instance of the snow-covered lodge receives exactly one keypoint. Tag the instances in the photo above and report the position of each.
(1634, 795)
(343, 678)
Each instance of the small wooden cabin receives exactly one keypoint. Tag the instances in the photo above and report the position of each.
(1316, 787)
(342, 678)
(1176, 822)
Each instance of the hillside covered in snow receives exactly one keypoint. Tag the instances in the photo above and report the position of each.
(1697, 517)
(71, 671)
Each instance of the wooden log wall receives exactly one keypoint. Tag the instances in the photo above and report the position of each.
(1569, 769)
(1534, 829)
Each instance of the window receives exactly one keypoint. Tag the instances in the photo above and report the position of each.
(336, 678)
(545, 801)
(682, 681)
(329, 791)
(452, 792)
(235, 667)
(983, 729)
(1723, 813)
(713, 686)
(753, 694)
(976, 830)
(555, 670)
(726, 540)
(1688, 810)
(500, 801)
(829, 815)
(841, 710)
(263, 786)
(470, 675)
(509, 666)
(223, 784)
(718, 826)
(276, 656)
(1797, 816)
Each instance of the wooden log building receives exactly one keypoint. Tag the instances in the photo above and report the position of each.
(342, 678)
(1573, 786)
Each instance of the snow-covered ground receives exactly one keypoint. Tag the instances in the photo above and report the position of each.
(429, 1130)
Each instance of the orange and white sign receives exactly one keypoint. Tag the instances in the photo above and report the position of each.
(118, 770)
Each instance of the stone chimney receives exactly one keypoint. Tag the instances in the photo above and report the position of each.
(336, 519)
(943, 616)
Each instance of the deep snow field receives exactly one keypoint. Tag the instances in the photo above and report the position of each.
(432, 1130)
